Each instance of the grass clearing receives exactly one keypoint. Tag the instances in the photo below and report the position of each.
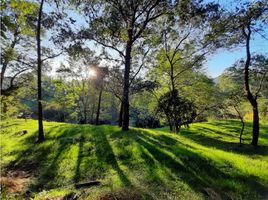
(200, 162)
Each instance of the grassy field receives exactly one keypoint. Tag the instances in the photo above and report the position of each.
(202, 162)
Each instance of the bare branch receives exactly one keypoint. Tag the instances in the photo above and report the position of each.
(140, 67)
(52, 56)
(260, 86)
(109, 46)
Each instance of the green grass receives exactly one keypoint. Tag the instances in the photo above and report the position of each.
(147, 164)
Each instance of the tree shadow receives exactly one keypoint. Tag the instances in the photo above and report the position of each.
(209, 141)
(8, 125)
(235, 126)
(50, 177)
(105, 154)
(194, 169)
(157, 151)
(79, 159)
(41, 160)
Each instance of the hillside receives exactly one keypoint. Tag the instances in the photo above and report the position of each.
(202, 162)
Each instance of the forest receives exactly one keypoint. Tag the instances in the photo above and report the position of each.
(120, 99)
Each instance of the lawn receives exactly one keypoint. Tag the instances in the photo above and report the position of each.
(202, 162)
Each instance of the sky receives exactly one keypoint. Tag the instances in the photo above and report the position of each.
(223, 59)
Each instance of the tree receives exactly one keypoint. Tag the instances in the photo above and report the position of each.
(177, 110)
(202, 91)
(232, 97)
(119, 25)
(17, 34)
(239, 27)
(101, 73)
(254, 81)
(41, 136)
(48, 21)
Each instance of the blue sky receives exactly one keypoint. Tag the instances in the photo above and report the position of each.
(223, 59)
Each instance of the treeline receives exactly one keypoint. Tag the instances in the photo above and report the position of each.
(130, 62)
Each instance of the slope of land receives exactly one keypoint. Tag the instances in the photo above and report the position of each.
(202, 162)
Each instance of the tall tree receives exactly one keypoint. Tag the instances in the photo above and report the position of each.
(249, 19)
(17, 34)
(119, 25)
(238, 26)
(41, 136)
(257, 79)
(101, 73)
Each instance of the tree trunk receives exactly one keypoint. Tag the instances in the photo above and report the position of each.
(4, 66)
(255, 125)
(98, 108)
(85, 115)
(176, 128)
(170, 125)
(241, 132)
(41, 137)
(125, 98)
(5, 63)
(243, 125)
(250, 97)
(64, 105)
(172, 77)
(120, 115)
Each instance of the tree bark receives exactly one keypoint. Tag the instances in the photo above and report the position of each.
(170, 124)
(176, 127)
(172, 77)
(243, 125)
(41, 137)
(125, 125)
(120, 115)
(241, 132)
(5, 63)
(98, 108)
(85, 115)
(256, 125)
(250, 97)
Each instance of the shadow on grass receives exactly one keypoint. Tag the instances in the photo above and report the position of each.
(197, 171)
(42, 160)
(157, 152)
(37, 159)
(79, 159)
(105, 153)
(209, 140)
(179, 162)
(235, 126)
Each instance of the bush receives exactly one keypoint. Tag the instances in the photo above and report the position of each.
(143, 118)
(177, 110)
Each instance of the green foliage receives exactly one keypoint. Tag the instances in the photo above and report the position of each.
(177, 110)
(231, 85)
(258, 71)
(204, 93)
(18, 14)
(143, 118)
(9, 107)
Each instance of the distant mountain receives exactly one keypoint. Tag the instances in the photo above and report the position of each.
(216, 79)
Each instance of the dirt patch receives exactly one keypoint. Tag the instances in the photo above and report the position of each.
(15, 182)
(71, 196)
(211, 194)
(21, 167)
(123, 194)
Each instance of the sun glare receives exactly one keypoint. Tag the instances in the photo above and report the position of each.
(92, 73)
